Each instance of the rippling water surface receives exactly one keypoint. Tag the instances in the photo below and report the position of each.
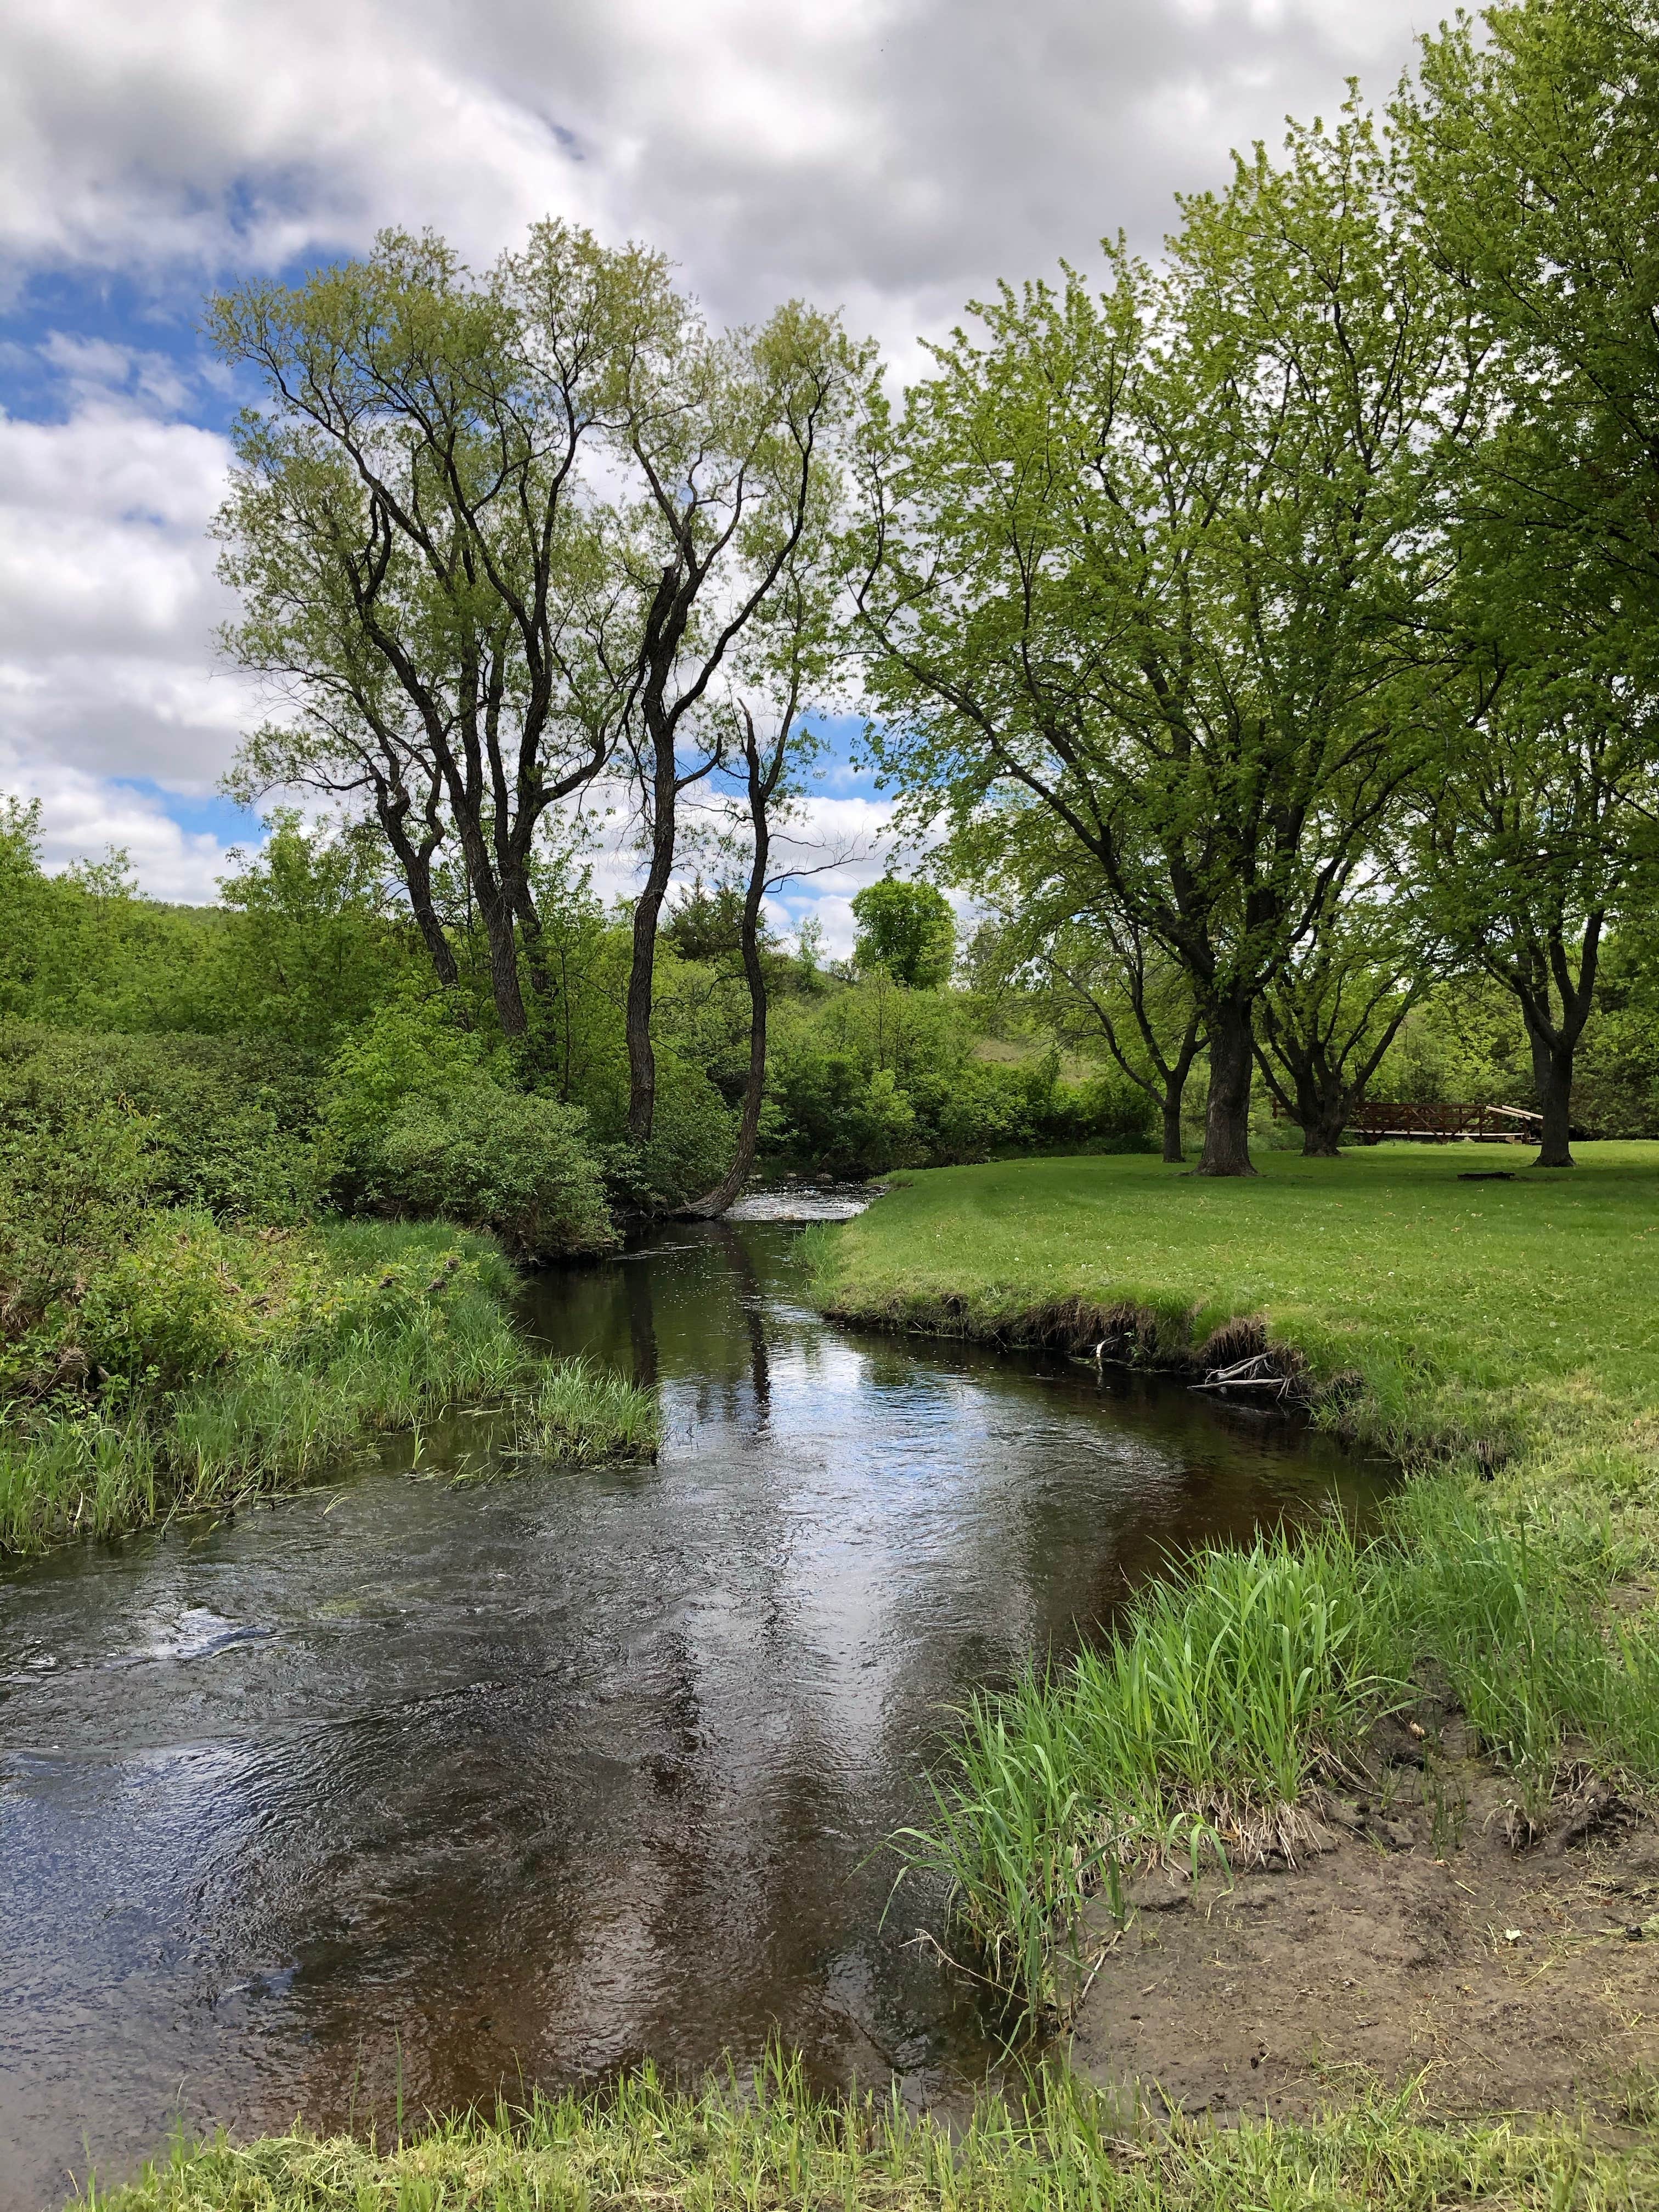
(419, 1786)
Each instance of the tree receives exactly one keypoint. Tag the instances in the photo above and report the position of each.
(1534, 184)
(789, 657)
(1139, 1004)
(907, 928)
(1158, 562)
(1531, 163)
(1534, 837)
(424, 576)
(734, 440)
(1329, 1017)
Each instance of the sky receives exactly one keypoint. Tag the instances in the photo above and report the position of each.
(894, 158)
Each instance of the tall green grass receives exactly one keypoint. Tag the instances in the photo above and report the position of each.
(770, 2143)
(581, 1413)
(279, 1417)
(1241, 1677)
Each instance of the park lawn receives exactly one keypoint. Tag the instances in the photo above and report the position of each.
(1500, 1337)
(1524, 1312)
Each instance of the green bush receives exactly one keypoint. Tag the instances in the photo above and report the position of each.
(689, 1148)
(852, 1096)
(229, 1122)
(495, 1160)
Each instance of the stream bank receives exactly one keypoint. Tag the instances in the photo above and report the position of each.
(413, 1790)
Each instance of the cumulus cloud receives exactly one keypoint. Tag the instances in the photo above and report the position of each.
(891, 156)
(85, 816)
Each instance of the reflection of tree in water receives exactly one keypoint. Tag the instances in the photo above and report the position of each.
(637, 1273)
(751, 1297)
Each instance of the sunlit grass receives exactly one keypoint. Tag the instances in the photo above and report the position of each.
(1240, 1678)
(581, 1413)
(1500, 1336)
(768, 2144)
(443, 1335)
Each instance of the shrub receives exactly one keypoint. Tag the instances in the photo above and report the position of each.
(494, 1159)
(689, 1148)
(229, 1122)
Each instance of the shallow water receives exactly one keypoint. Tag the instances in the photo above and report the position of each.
(420, 1787)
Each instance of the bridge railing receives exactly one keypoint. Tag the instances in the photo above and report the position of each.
(1439, 1123)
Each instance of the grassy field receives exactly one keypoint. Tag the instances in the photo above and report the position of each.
(1484, 1309)
(773, 2145)
(1500, 1336)
(393, 1322)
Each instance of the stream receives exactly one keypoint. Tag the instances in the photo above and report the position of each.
(410, 1788)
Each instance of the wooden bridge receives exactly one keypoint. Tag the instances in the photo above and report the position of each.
(1375, 1121)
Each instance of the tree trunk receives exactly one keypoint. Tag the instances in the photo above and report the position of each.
(1172, 1096)
(1321, 1138)
(1227, 1114)
(503, 965)
(762, 784)
(641, 984)
(1552, 1076)
(440, 950)
(754, 1089)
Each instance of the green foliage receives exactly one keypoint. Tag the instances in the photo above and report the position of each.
(288, 1349)
(495, 1160)
(877, 1077)
(689, 1148)
(580, 1413)
(315, 946)
(1142, 563)
(412, 1047)
(228, 1123)
(908, 930)
(768, 2142)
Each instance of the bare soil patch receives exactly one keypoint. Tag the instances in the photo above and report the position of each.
(1415, 1941)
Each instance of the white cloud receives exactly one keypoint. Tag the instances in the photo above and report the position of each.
(893, 157)
(83, 817)
(108, 599)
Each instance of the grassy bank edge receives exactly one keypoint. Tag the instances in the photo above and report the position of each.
(741, 2146)
(444, 1337)
(1244, 1681)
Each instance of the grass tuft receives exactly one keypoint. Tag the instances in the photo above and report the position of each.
(581, 1413)
(769, 2144)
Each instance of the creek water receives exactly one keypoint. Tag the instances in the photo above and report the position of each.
(416, 1787)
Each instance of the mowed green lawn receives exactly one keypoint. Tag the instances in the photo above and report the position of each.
(1531, 1296)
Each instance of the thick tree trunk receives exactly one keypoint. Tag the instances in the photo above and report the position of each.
(504, 966)
(754, 1090)
(440, 950)
(1227, 1114)
(1552, 1076)
(1321, 1138)
(1172, 1096)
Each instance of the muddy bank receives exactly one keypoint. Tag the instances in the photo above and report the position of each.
(1238, 1358)
(1416, 1943)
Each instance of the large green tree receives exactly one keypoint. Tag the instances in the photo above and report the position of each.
(422, 578)
(1533, 183)
(1159, 560)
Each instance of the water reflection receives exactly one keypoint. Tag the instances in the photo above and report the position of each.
(519, 1782)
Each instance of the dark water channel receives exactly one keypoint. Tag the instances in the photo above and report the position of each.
(454, 1785)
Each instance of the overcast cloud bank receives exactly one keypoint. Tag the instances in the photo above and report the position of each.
(893, 157)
